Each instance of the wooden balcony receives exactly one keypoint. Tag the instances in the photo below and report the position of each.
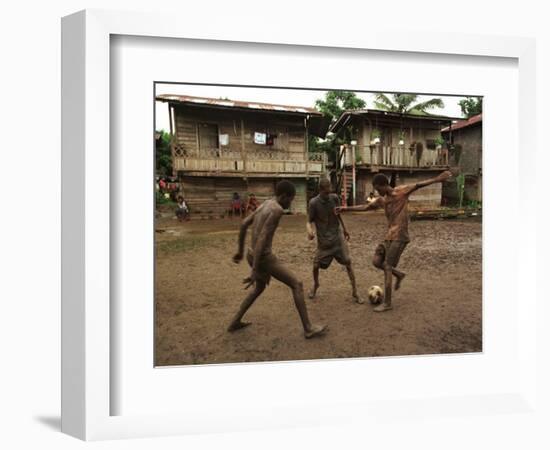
(378, 156)
(221, 162)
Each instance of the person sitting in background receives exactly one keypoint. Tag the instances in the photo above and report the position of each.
(252, 204)
(182, 211)
(236, 205)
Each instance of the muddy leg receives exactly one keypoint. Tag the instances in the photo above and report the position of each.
(282, 274)
(379, 257)
(351, 276)
(236, 323)
(315, 281)
(398, 277)
(386, 304)
(378, 262)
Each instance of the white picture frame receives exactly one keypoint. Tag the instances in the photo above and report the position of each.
(87, 386)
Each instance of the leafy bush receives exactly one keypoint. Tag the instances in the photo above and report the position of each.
(439, 140)
(163, 153)
(160, 199)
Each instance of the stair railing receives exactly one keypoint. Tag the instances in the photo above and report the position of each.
(340, 172)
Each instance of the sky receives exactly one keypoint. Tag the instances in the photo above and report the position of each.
(294, 97)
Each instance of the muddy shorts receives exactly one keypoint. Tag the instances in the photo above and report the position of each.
(339, 252)
(264, 268)
(390, 252)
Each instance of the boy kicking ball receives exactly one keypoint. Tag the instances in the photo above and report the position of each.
(264, 264)
(395, 202)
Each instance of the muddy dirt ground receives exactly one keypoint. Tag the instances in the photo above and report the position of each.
(198, 289)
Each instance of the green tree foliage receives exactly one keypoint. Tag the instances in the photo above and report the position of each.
(336, 102)
(471, 106)
(332, 106)
(163, 154)
(406, 103)
(317, 145)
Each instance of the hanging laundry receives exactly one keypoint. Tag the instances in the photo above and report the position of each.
(224, 139)
(260, 138)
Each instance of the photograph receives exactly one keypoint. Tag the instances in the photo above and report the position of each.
(310, 224)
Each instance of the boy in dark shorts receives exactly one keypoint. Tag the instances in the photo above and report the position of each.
(331, 238)
(395, 203)
(264, 264)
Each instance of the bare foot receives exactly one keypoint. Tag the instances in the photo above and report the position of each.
(237, 326)
(315, 330)
(382, 307)
(313, 291)
(358, 299)
(398, 281)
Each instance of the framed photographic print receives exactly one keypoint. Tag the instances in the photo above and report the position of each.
(354, 182)
(219, 162)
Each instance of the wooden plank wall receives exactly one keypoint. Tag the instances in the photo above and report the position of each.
(186, 133)
(254, 166)
(299, 205)
(210, 197)
(262, 188)
(392, 135)
(428, 197)
(290, 131)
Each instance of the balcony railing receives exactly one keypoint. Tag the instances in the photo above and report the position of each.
(386, 156)
(263, 161)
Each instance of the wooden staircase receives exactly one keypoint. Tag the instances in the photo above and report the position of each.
(345, 191)
(343, 179)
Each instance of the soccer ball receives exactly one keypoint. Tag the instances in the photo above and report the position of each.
(376, 295)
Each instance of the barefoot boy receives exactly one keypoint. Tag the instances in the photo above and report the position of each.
(264, 222)
(331, 239)
(395, 203)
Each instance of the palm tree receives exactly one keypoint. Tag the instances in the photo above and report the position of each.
(406, 104)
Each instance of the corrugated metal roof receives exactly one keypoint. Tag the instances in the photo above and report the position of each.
(226, 103)
(465, 123)
(342, 120)
(427, 116)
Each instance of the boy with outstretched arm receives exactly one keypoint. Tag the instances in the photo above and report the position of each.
(395, 202)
